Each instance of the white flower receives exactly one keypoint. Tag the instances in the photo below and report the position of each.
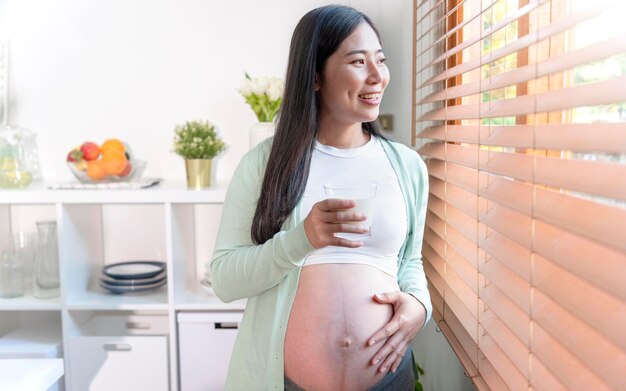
(275, 90)
(245, 87)
(263, 94)
(259, 85)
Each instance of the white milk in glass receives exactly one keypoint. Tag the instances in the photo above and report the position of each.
(364, 195)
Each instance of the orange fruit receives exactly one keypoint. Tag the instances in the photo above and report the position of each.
(112, 144)
(95, 169)
(114, 162)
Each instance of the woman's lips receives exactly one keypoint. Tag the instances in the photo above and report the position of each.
(370, 99)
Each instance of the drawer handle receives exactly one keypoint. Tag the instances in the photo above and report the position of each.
(226, 325)
(138, 325)
(117, 347)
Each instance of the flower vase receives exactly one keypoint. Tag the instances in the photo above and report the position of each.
(260, 131)
(198, 173)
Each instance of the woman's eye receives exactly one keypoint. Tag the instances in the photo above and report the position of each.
(359, 61)
(382, 60)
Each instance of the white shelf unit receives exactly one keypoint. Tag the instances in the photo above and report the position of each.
(167, 222)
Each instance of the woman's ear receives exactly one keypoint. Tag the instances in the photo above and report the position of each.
(316, 86)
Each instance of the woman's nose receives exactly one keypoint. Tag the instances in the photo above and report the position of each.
(375, 75)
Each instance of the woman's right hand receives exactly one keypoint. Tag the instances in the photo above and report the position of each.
(330, 216)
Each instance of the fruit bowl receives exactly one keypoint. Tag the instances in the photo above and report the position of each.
(136, 169)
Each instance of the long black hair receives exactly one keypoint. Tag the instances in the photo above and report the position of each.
(316, 37)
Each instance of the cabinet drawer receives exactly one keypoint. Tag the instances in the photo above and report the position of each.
(119, 363)
(206, 343)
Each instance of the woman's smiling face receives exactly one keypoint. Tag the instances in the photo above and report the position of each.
(353, 80)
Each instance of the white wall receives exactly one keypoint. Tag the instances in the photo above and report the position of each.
(89, 70)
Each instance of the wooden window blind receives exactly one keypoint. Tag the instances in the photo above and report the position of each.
(520, 114)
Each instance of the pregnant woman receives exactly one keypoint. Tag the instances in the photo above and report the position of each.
(325, 312)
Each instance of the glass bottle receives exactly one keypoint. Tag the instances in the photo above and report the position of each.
(46, 271)
(11, 277)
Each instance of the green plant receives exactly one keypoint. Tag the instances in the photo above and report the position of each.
(418, 371)
(264, 95)
(197, 140)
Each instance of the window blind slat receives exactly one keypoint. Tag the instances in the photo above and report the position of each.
(596, 52)
(521, 43)
(600, 137)
(509, 283)
(435, 280)
(592, 220)
(455, 239)
(572, 252)
(459, 220)
(512, 255)
(602, 266)
(489, 376)
(507, 311)
(507, 341)
(508, 372)
(489, 31)
(429, 11)
(464, 295)
(570, 371)
(592, 94)
(463, 269)
(461, 343)
(466, 21)
(541, 379)
(548, 171)
(436, 23)
(596, 303)
(584, 343)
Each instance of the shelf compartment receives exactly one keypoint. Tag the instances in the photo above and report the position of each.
(99, 235)
(22, 219)
(193, 232)
(31, 335)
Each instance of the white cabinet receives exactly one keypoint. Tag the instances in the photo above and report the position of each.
(206, 343)
(98, 227)
(119, 363)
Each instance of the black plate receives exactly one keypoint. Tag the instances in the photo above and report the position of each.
(134, 282)
(133, 270)
(132, 289)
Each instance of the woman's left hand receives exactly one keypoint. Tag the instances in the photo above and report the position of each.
(409, 316)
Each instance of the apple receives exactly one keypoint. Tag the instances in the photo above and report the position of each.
(127, 170)
(75, 155)
(90, 150)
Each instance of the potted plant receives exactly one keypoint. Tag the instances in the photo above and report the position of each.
(198, 143)
(264, 95)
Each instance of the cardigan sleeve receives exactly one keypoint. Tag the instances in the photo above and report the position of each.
(413, 279)
(239, 267)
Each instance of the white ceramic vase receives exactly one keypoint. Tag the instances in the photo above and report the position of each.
(260, 131)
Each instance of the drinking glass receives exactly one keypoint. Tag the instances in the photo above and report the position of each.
(364, 194)
(24, 244)
(46, 273)
(11, 276)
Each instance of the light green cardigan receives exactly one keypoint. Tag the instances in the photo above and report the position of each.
(268, 274)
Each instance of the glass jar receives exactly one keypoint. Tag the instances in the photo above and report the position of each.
(11, 277)
(19, 157)
(46, 271)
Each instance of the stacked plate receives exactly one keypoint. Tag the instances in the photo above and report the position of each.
(133, 276)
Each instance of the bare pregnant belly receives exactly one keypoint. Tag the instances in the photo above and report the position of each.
(332, 318)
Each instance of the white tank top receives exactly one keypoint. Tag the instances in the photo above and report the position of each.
(389, 221)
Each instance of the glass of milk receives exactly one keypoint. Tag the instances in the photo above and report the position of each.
(364, 194)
